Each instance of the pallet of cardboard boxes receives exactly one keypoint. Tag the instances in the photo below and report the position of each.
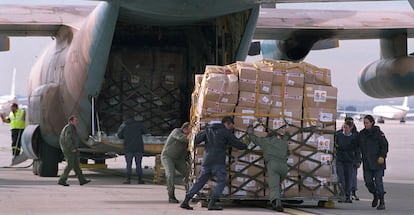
(274, 96)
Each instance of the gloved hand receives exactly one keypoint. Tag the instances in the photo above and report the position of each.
(380, 160)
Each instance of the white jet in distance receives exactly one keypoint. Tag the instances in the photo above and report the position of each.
(382, 112)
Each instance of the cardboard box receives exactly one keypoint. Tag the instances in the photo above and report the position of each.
(317, 187)
(246, 118)
(217, 107)
(320, 96)
(320, 141)
(247, 76)
(320, 164)
(240, 169)
(248, 157)
(248, 99)
(321, 118)
(292, 163)
(316, 75)
(252, 79)
(290, 187)
(247, 181)
(289, 74)
(219, 85)
(287, 97)
(289, 119)
(326, 188)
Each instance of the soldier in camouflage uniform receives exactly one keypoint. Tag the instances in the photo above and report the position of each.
(275, 153)
(173, 158)
(69, 142)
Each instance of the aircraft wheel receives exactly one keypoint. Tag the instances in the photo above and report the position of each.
(381, 121)
(48, 161)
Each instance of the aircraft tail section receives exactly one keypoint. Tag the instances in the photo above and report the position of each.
(13, 86)
(405, 103)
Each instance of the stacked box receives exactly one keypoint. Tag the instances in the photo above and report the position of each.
(290, 186)
(247, 179)
(219, 91)
(320, 141)
(287, 96)
(244, 116)
(143, 81)
(254, 97)
(288, 74)
(319, 106)
(316, 186)
(275, 96)
(316, 75)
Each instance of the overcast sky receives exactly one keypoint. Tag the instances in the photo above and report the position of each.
(345, 62)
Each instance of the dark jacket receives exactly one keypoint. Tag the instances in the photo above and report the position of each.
(372, 144)
(216, 138)
(131, 131)
(345, 147)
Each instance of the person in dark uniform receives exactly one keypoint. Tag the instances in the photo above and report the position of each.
(131, 131)
(356, 163)
(216, 137)
(173, 158)
(374, 148)
(69, 142)
(345, 157)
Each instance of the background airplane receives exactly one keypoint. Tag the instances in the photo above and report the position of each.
(382, 112)
(7, 100)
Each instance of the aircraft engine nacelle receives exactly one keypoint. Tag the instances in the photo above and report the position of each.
(29, 141)
(45, 110)
(290, 50)
(388, 78)
(296, 48)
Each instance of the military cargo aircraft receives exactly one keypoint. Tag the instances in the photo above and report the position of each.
(124, 57)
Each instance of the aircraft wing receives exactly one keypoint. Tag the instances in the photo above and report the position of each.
(40, 20)
(282, 24)
(409, 115)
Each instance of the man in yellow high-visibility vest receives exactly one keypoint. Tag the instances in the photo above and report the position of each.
(17, 120)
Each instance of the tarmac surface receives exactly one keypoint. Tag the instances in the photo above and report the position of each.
(21, 192)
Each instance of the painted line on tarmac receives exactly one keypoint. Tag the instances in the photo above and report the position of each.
(296, 212)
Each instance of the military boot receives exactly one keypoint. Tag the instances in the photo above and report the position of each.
(277, 205)
(381, 205)
(185, 204)
(171, 198)
(212, 205)
(375, 200)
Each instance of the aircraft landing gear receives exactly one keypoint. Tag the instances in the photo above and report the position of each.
(402, 120)
(380, 120)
